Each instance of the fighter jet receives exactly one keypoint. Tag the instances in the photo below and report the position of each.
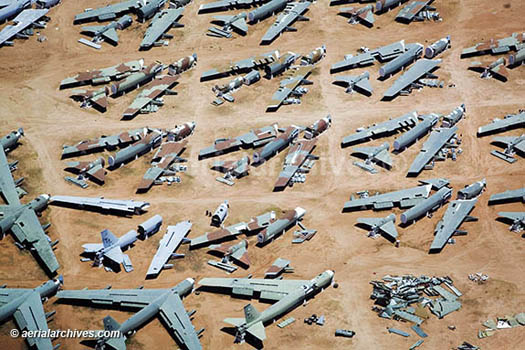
(237, 252)
(510, 121)
(318, 127)
(106, 32)
(25, 306)
(405, 198)
(287, 294)
(363, 15)
(495, 70)
(12, 8)
(159, 25)
(457, 212)
(276, 145)
(166, 303)
(512, 144)
(418, 11)
(106, 205)
(11, 140)
(292, 12)
(162, 164)
(147, 143)
(380, 226)
(103, 143)
(290, 90)
(103, 75)
(297, 163)
(174, 236)
(496, 46)
(406, 82)
(417, 132)
(252, 139)
(109, 12)
(23, 25)
(390, 126)
(220, 214)
(232, 169)
(517, 195)
(241, 66)
(111, 250)
(367, 56)
(359, 83)
(427, 206)
(373, 155)
(93, 170)
(440, 145)
(517, 220)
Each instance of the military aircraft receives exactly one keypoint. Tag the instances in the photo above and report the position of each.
(318, 127)
(510, 121)
(25, 306)
(241, 66)
(363, 15)
(508, 196)
(287, 294)
(224, 92)
(10, 9)
(23, 24)
(297, 163)
(175, 235)
(495, 70)
(390, 126)
(517, 220)
(21, 220)
(421, 129)
(93, 170)
(166, 303)
(115, 206)
(359, 83)
(406, 82)
(418, 11)
(438, 146)
(162, 163)
(11, 140)
(412, 53)
(496, 46)
(457, 212)
(106, 32)
(292, 12)
(148, 142)
(279, 266)
(103, 75)
(161, 22)
(109, 12)
(232, 169)
(237, 252)
(380, 226)
(367, 56)
(405, 198)
(427, 206)
(111, 249)
(378, 155)
(252, 139)
(276, 145)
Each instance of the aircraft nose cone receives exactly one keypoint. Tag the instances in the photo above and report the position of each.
(191, 281)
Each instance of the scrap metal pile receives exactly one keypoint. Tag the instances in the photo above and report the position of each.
(501, 323)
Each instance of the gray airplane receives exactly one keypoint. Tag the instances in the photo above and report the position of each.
(380, 226)
(508, 196)
(160, 24)
(289, 219)
(409, 80)
(367, 56)
(146, 144)
(13, 8)
(513, 145)
(24, 305)
(106, 32)
(457, 212)
(517, 220)
(11, 140)
(510, 121)
(418, 11)
(276, 145)
(390, 126)
(417, 132)
(405, 198)
(292, 12)
(427, 206)
(473, 190)
(166, 303)
(117, 206)
(175, 235)
(109, 12)
(373, 155)
(23, 25)
(438, 146)
(363, 15)
(496, 46)
(287, 294)
(21, 220)
(290, 89)
(359, 83)
(412, 53)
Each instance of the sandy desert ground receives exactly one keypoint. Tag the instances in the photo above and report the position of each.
(30, 98)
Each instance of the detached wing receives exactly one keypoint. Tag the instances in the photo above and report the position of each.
(295, 158)
(176, 319)
(107, 13)
(367, 17)
(162, 21)
(22, 21)
(290, 14)
(7, 184)
(288, 85)
(30, 316)
(134, 298)
(456, 213)
(417, 71)
(155, 89)
(241, 255)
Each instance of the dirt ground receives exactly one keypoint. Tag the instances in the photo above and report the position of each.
(30, 98)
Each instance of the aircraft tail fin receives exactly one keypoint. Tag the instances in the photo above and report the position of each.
(108, 238)
(250, 313)
(110, 324)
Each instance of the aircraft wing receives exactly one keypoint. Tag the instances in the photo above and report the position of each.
(241, 255)
(4, 3)
(30, 316)
(267, 289)
(457, 212)
(103, 75)
(115, 255)
(176, 319)
(291, 13)
(219, 234)
(224, 5)
(435, 142)
(167, 246)
(22, 21)
(510, 195)
(509, 140)
(411, 10)
(406, 198)
(155, 89)
(416, 72)
(109, 12)
(501, 72)
(241, 66)
(388, 228)
(7, 184)
(162, 21)
(498, 125)
(134, 298)
(29, 232)
(297, 155)
(111, 35)
(367, 17)
(512, 215)
(294, 78)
